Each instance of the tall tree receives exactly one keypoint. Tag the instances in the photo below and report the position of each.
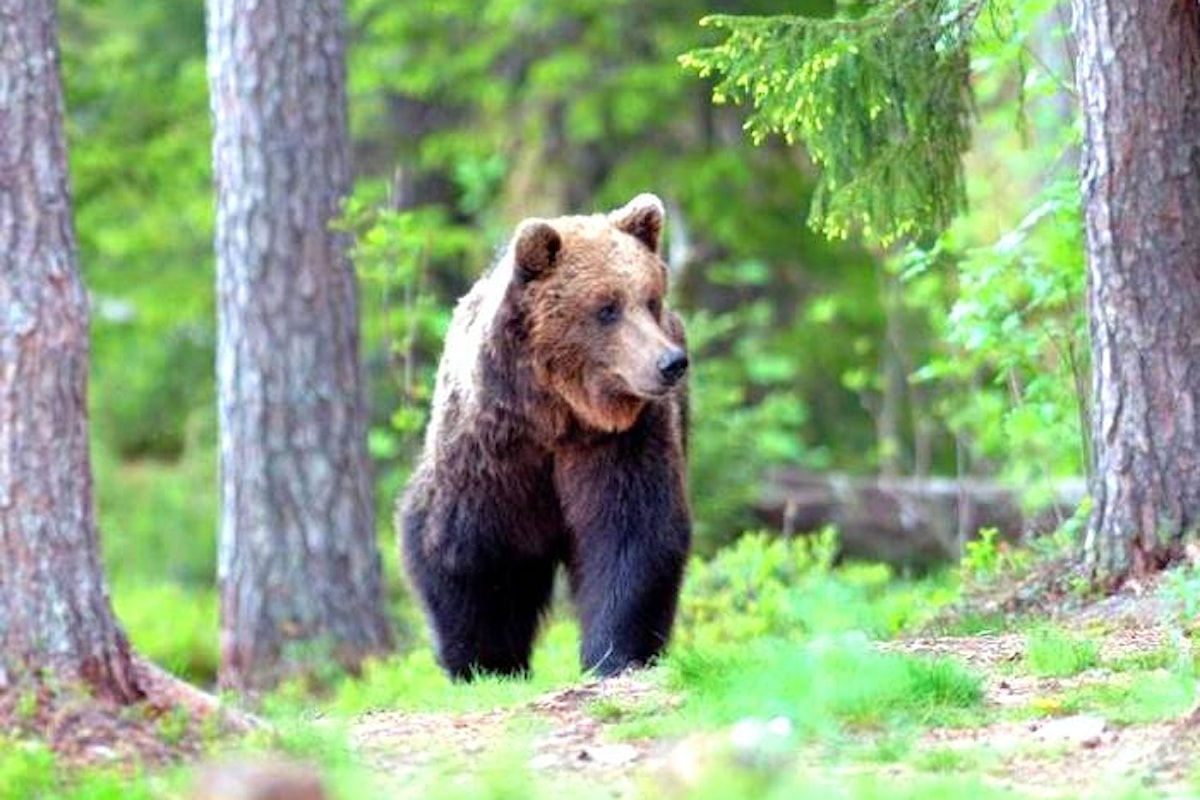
(1138, 71)
(299, 567)
(55, 617)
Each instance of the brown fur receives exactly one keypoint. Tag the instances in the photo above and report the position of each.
(556, 437)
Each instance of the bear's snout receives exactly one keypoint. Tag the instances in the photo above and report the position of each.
(671, 366)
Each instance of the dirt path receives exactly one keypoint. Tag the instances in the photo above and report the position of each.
(562, 729)
(1060, 753)
(1036, 744)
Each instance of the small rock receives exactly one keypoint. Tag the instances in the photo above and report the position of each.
(1082, 729)
(613, 754)
(103, 752)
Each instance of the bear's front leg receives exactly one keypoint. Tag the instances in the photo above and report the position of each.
(626, 507)
(484, 601)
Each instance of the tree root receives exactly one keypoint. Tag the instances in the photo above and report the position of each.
(164, 692)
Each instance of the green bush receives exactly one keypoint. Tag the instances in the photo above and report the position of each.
(145, 398)
(765, 585)
(749, 589)
(158, 520)
(744, 418)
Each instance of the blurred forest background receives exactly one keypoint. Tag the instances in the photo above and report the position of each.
(963, 357)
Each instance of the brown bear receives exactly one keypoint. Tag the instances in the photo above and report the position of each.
(557, 437)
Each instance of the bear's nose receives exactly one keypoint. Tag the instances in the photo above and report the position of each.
(672, 364)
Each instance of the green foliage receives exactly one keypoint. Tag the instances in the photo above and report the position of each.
(172, 626)
(734, 438)
(157, 519)
(139, 143)
(519, 110)
(144, 405)
(982, 557)
(30, 771)
(988, 558)
(26, 770)
(949, 759)
(820, 685)
(1180, 589)
(764, 586)
(879, 95)
(465, 117)
(397, 255)
(1012, 369)
(1166, 656)
(414, 682)
(1054, 653)
(1019, 319)
(753, 583)
(1141, 698)
(730, 781)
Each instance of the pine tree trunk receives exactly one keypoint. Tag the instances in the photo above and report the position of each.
(299, 566)
(55, 615)
(1139, 78)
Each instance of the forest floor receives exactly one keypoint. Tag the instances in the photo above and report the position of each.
(1090, 705)
(827, 682)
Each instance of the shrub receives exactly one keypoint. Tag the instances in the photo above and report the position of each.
(749, 589)
(144, 399)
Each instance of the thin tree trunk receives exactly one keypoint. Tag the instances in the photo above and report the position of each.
(1139, 77)
(55, 616)
(893, 376)
(299, 566)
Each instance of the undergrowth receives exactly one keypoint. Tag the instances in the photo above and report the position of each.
(774, 646)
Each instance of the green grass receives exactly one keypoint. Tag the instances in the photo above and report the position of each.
(1138, 698)
(950, 759)
(1165, 656)
(607, 709)
(1053, 653)
(729, 782)
(972, 623)
(414, 682)
(821, 686)
(762, 640)
(30, 771)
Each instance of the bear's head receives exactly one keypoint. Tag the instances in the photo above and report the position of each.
(593, 292)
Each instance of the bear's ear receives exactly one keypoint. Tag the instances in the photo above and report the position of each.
(535, 249)
(641, 217)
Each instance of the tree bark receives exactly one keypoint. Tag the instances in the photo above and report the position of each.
(1138, 70)
(299, 567)
(55, 616)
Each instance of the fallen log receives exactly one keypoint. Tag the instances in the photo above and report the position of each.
(907, 521)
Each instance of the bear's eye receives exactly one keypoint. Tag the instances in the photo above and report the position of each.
(608, 314)
(654, 306)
